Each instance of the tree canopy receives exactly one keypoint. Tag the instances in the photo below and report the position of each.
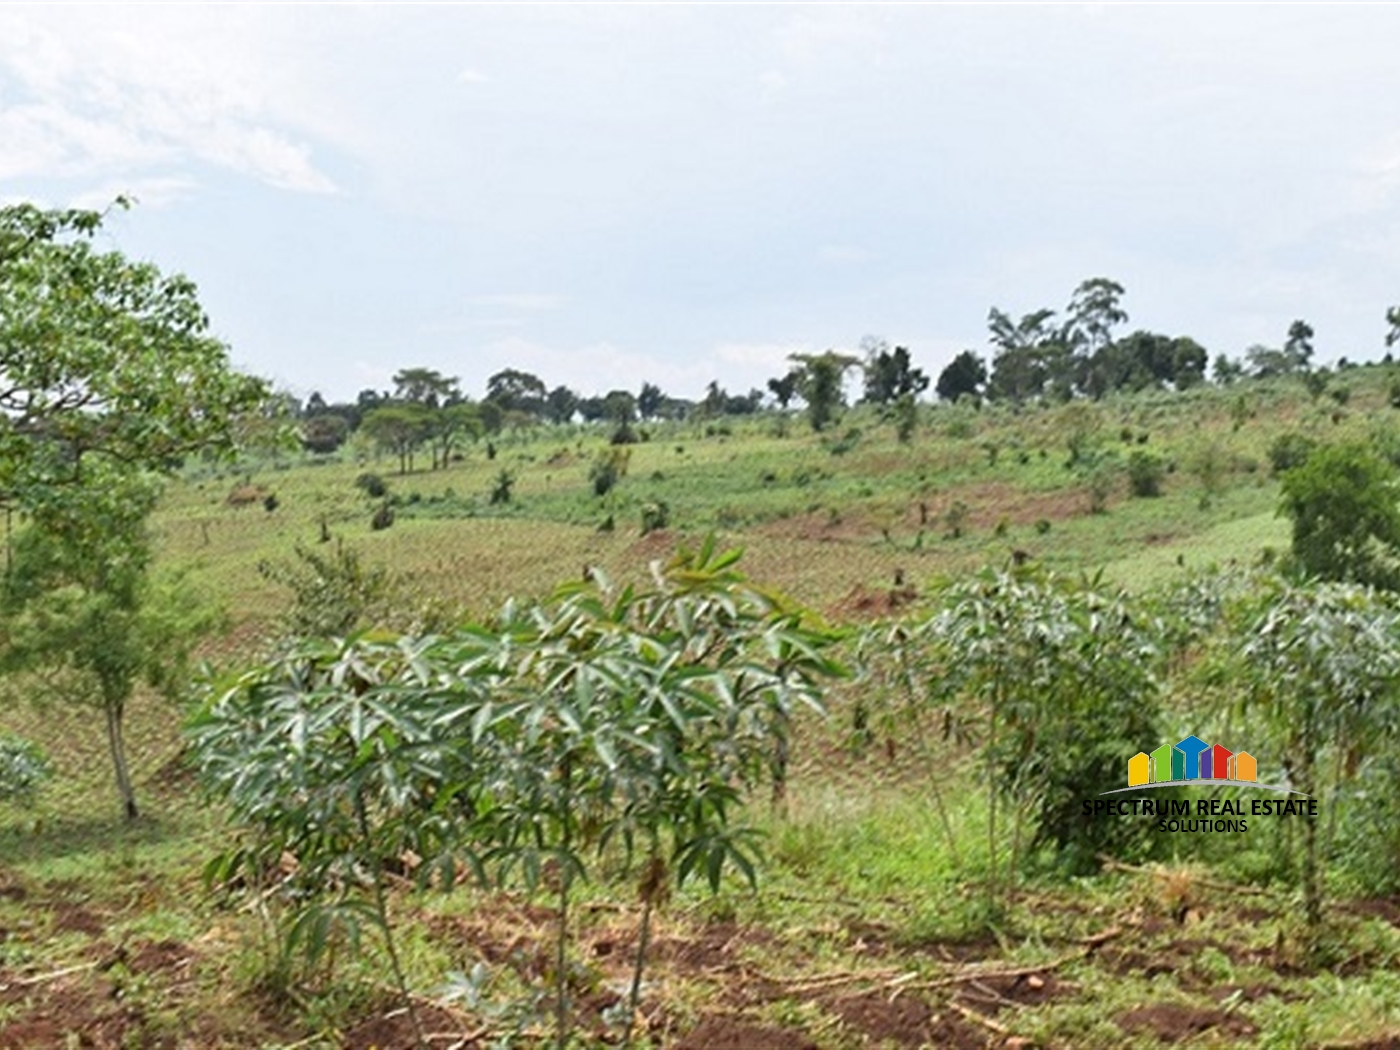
(100, 355)
(1346, 524)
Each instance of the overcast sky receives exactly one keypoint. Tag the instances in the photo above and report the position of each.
(607, 195)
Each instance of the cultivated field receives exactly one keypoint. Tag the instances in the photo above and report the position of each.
(878, 918)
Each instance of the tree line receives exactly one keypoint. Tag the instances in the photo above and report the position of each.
(1045, 355)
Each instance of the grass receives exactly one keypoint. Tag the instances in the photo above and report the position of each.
(864, 907)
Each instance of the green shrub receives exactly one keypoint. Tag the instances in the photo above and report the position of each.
(23, 768)
(372, 485)
(608, 469)
(500, 491)
(1145, 474)
(333, 593)
(1290, 450)
(655, 516)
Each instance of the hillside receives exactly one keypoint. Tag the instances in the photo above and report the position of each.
(869, 929)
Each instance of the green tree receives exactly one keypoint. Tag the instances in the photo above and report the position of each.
(785, 388)
(399, 429)
(963, 377)
(890, 374)
(1299, 345)
(324, 433)
(447, 426)
(1188, 362)
(1094, 311)
(1346, 525)
(620, 406)
(79, 601)
(1226, 370)
(110, 380)
(517, 391)
(822, 376)
(102, 357)
(560, 405)
(1026, 350)
(650, 401)
(426, 386)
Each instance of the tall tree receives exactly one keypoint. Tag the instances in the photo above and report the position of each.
(1299, 345)
(620, 406)
(110, 378)
(447, 426)
(963, 377)
(79, 601)
(712, 406)
(560, 405)
(890, 375)
(1189, 359)
(1094, 311)
(650, 401)
(400, 430)
(1021, 364)
(784, 389)
(822, 377)
(517, 391)
(426, 386)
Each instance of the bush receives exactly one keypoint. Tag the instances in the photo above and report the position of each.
(23, 768)
(1290, 450)
(623, 435)
(655, 516)
(500, 492)
(1060, 727)
(956, 519)
(1145, 474)
(607, 470)
(333, 593)
(1346, 525)
(372, 485)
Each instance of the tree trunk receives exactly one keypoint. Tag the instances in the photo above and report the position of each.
(117, 745)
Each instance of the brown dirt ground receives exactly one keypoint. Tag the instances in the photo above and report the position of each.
(1173, 1023)
(732, 1032)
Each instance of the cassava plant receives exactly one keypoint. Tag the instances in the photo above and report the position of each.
(631, 722)
(1320, 666)
(1062, 676)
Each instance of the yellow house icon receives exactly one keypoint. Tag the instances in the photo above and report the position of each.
(1139, 766)
(1245, 767)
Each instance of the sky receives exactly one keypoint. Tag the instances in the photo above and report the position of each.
(612, 195)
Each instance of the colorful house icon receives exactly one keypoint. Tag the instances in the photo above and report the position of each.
(1191, 759)
(1191, 751)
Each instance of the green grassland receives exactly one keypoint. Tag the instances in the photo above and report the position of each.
(866, 930)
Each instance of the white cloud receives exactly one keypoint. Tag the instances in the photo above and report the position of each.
(472, 76)
(95, 98)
